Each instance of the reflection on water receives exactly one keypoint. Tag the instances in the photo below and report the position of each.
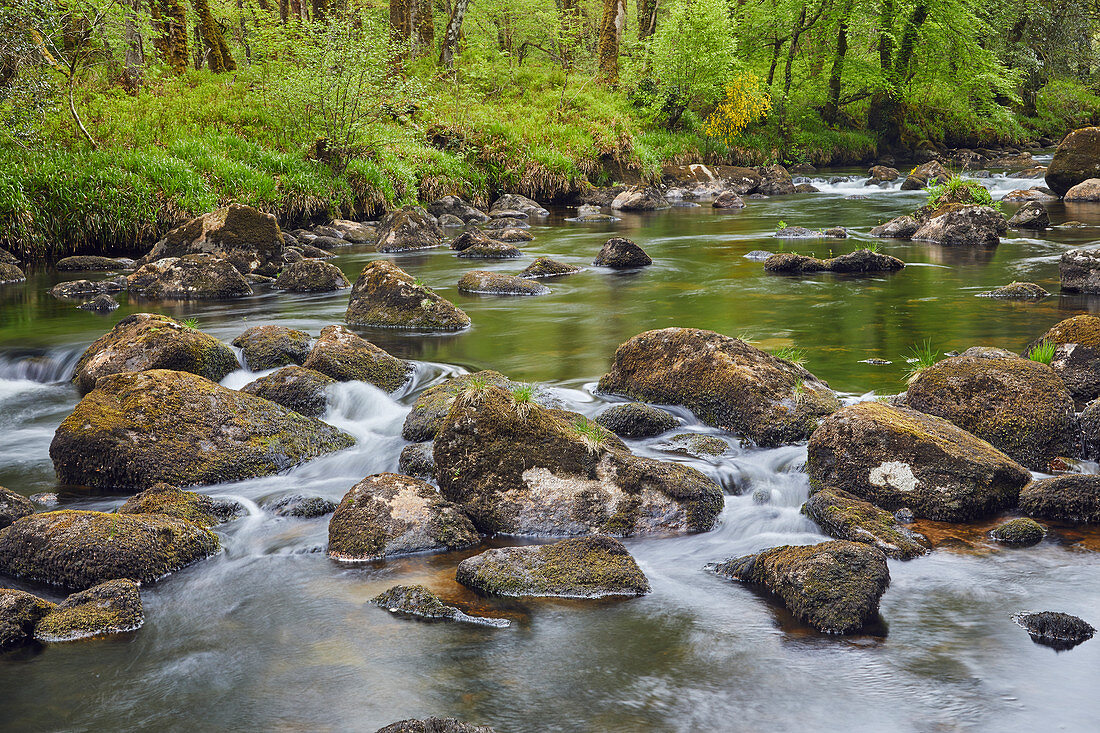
(270, 634)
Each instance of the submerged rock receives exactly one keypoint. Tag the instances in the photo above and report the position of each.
(1017, 291)
(797, 233)
(187, 505)
(1058, 630)
(697, 445)
(294, 387)
(726, 382)
(80, 289)
(19, 613)
(416, 600)
(135, 430)
(388, 514)
(269, 347)
(388, 297)
(109, 608)
(897, 457)
(345, 357)
(496, 283)
(843, 516)
(251, 240)
(408, 229)
(311, 276)
(78, 549)
(13, 506)
(1077, 159)
(1070, 497)
(964, 226)
(619, 252)
(191, 277)
(583, 567)
(834, 586)
(1022, 532)
(144, 341)
(636, 420)
(546, 267)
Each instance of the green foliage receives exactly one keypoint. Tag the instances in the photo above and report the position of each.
(873, 247)
(191, 323)
(791, 354)
(1043, 352)
(593, 435)
(958, 190)
(921, 356)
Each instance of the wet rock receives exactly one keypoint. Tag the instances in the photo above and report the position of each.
(311, 276)
(102, 303)
(13, 506)
(301, 507)
(294, 387)
(345, 357)
(268, 347)
(728, 200)
(928, 174)
(758, 255)
(843, 516)
(1088, 190)
(137, 429)
(636, 420)
(416, 460)
(388, 297)
(1021, 532)
(408, 229)
(1090, 431)
(19, 612)
(186, 505)
(738, 180)
(619, 252)
(513, 234)
(835, 586)
(505, 223)
(860, 261)
(964, 226)
(449, 221)
(1077, 353)
(583, 567)
(78, 549)
(1057, 630)
(1019, 406)
(1035, 193)
(1017, 291)
(355, 232)
(434, 404)
(434, 725)
(903, 227)
(109, 608)
(639, 198)
(775, 180)
(456, 207)
(798, 233)
(7, 258)
(388, 514)
(880, 174)
(46, 499)
(516, 202)
(1032, 215)
(1079, 270)
(806, 188)
(897, 457)
(145, 341)
(1077, 159)
(494, 250)
(80, 289)
(496, 283)
(90, 263)
(546, 267)
(10, 274)
(697, 445)
(519, 468)
(1071, 497)
(507, 214)
(470, 238)
(249, 239)
(192, 277)
(416, 600)
(836, 232)
(726, 382)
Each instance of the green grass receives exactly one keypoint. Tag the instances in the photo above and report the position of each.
(791, 354)
(1043, 352)
(873, 247)
(593, 435)
(921, 356)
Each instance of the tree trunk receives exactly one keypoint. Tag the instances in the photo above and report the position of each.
(401, 12)
(454, 30)
(885, 35)
(611, 33)
(169, 20)
(216, 51)
(909, 41)
(135, 51)
(320, 11)
(570, 23)
(423, 25)
(776, 48)
(647, 18)
(832, 105)
(796, 33)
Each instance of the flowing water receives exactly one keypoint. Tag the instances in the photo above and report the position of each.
(272, 635)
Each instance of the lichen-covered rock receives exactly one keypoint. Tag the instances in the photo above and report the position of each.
(1022, 532)
(416, 600)
(861, 261)
(251, 240)
(13, 506)
(1017, 291)
(619, 252)
(388, 514)
(78, 549)
(519, 468)
(843, 516)
(834, 586)
(792, 263)
(11, 274)
(881, 174)
(515, 202)
(191, 277)
(1032, 215)
(388, 297)
(145, 341)
(928, 174)
(1019, 406)
(112, 607)
(640, 198)
(187, 505)
(456, 207)
(497, 283)
(1087, 190)
(80, 289)
(964, 226)
(89, 263)
(470, 238)
(697, 445)
(897, 457)
(434, 404)
(19, 612)
(269, 347)
(311, 276)
(355, 232)
(636, 420)
(102, 303)
(434, 725)
(1076, 159)
(138, 429)
(798, 233)
(1054, 629)
(902, 227)
(346, 357)
(407, 229)
(775, 180)
(294, 387)
(301, 507)
(582, 567)
(1072, 497)
(1076, 355)
(726, 382)
(1079, 270)
(728, 200)
(416, 460)
(1036, 193)
(546, 267)
(493, 250)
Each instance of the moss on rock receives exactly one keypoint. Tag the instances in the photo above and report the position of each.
(416, 600)
(294, 387)
(843, 516)
(619, 252)
(19, 612)
(13, 506)
(11, 274)
(697, 445)
(187, 505)
(1017, 291)
(90, 263)
(311, 276)
(1022, 532)
(346, 357)
(409, 228)
(496, 283)
(250, 239)
(546, 267)
(270, 347)
(388, 297)
(416, 460)
(191, 277)
(433, 405)
(1076, 356)
(636, 420)
(434, 725)
(1070, 497)
(108, 608)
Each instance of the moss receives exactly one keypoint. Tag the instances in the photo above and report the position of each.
(89, 263)
(343, 356)
(636, 420)
(843, 516)
(386, 296)
(108, 608)
(1017, 291)
(495, 283)
(19, 612)
(191, 277)
(173, 502)
(248, 237)
(695, 444)
(432, 406)
(415, 600)
(13, 506)
(11, 274)
(416, 460)
(1082, 330)
(294, 387)
(1071, 497)
(493, 250)
(311, 276)
(270, 347)
(1022, 532)
(546, 267)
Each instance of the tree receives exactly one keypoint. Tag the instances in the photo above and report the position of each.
(611, 33)
(647, 18)
(451, 35)
(216, 51)
(169, 19)
(413, 27)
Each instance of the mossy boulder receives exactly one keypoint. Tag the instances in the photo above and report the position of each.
(144, 341)
(112, 607)
(11, 274)
(1089, 420)
(513, 234)
(294, 387)
(191, 277)
(416, 600)
(519, 468)
(1079, 270)
(497, 283)
(1017, 291)
(640, 198)
(346, 357)
(843, 516)
(775, 180)
(696, 445)
(728, 200)
(1019, 406)
(19, 612)
(897, 457)
(581, 567)
(250, 239)
(902, 227)
(1022, 532)
(1071, 497)
(1032, 215)
(416, 460)
(881, 174)
(434, 404)
(792, 263)
(1060, 631)
(516, 202)
(470, 238)
(355, 232)
(726, 382)
(82, 289)
(90, 263)
(546, 267)
(1076, 159)
(311, 276)
(434, 725)
(138, 429)
(408, 229)
(964, 226)
(619, 253)
(102, 303)
(7, 258)
(1076, 357)
(270, 347)
(388, 297)
(388, 514)
(861, 261)
(494, 250)
(834, 586)
(79, 549)
(927, 174)
(187, 505)
(636, 420)
(13, 506)
(456, 207)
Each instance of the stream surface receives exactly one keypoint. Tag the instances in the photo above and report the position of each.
(272, 635)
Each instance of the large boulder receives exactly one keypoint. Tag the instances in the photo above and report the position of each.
(619, 252)
(1032, 215)
(497, 283)
(434, 404)
(516, 467)
(416, 600)
(112, 607)
(19, 613)
(269, 347)
(835, 586)
(880, 174)
(407, 229)
(346, 357)
(902, 227)
(191, 277)
(138, 429)
(516, 202)
(13, 506)
(1019, 406)
(636, 420)
(355, 232)
(388, 514)
(472, 237)
(1088, 190)
(928, 174)
(640, 198)
(843, 516)
(145, 341)
(775, 180)
(294, 387)
(388, 297)
(1076, 355)
(897, 457)
(964, 226)
(456, 207)
(11, 274)
(311, 276)
(186, 505)
(1079, 270)
(79, 549)
(1070, 498)
(251, 240)
(582, 567)
(1077, 159)
(728, 200)
(726, 382)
